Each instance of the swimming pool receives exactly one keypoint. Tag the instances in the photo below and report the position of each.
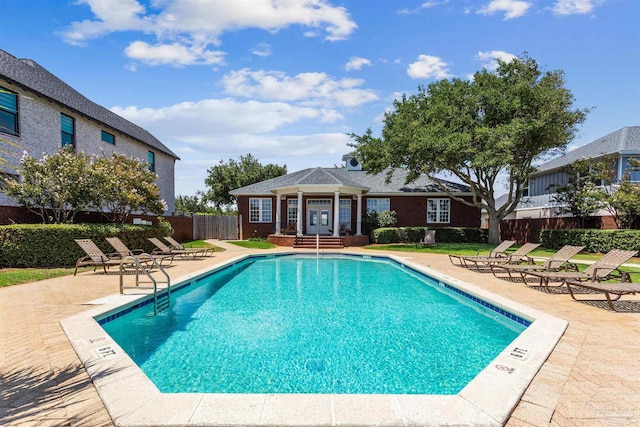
(132, 399)
(297, 324)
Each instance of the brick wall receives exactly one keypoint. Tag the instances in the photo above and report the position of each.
(410, 211)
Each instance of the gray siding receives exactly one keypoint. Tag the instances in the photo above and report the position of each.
(545, 184)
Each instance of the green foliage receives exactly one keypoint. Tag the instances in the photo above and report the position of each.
(592, 185)
(624, 203)
(416, 234)
(593, 240)
(56, 187)
(387, 219)
(477, 130)
(225, 177)
(123, 185)
(53, 245)
(188, 205)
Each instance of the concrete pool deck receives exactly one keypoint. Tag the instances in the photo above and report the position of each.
(591, 378)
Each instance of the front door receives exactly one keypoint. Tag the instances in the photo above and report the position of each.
(319, 216)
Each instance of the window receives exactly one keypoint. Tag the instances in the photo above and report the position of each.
(345, 212)
(151, 159)
(438, 210)
(108, 137)
(68, 130)
(378, 205)
(292, 211)
(8, 112)
(259, 210)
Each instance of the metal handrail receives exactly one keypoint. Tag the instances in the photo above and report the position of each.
(139, 266)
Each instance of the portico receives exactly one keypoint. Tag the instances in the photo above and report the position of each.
(319, 209)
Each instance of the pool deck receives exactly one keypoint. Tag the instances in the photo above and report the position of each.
(592, 378)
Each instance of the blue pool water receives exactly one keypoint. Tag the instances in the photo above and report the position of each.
(294, 324)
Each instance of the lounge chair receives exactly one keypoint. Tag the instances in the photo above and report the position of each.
(124, 251)
(519, 256)
(497, 252)
(603, 269)
(556, 262)
(174, 244)
(95, 257)
(608, 289)
(429, 238)
(162, 249)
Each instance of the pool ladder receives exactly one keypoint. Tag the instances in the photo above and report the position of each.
(160, 302)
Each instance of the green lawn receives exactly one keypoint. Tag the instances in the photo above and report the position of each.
(15, 276)
(200, 244)
(483, 248)
(253, 244)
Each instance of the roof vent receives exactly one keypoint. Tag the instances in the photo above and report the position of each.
(353, 163)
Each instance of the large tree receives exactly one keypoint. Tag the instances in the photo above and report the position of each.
(225, 177)
(481, 131)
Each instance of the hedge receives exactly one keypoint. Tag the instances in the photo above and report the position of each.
(387, 235)
(53, 245)
(594, 240)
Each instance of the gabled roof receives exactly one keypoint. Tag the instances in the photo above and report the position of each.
(29, 75)
(341, 177)
(622, 141)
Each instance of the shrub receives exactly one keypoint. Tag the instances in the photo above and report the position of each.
(53, 245)
(593, 240)
(416, 234)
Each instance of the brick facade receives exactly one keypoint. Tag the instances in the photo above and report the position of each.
(410, 211)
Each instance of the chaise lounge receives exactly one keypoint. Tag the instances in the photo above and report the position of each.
(519, 256)
(162, 249)
(603, 269)
(96, 258)
(175, 245)
(497, 252)
(608, 289)
(557, 262)
(124, 251)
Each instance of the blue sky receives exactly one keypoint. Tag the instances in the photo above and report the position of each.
(287, 80)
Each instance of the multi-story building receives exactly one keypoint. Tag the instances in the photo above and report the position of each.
(41, 113)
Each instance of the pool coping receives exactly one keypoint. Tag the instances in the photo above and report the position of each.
(133, 400)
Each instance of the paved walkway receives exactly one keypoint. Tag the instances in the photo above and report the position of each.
(591, 379)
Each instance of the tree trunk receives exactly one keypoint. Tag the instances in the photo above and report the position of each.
(494, 228)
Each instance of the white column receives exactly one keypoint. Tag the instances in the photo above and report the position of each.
(336, 214)
(359, 216)
(299, 224)
(278, 214)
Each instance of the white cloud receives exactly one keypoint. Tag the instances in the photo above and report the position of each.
(433, 3)
(173, 54)
(262, 49)
(199, 121)
(428, 66)
(489, 58)
(295, 151)
(511, 8)
(192, 24)
(572, 7)
(113, 15)
(356, 63)
(309, 88)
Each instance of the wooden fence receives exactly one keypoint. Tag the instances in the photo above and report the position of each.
(223, 227)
